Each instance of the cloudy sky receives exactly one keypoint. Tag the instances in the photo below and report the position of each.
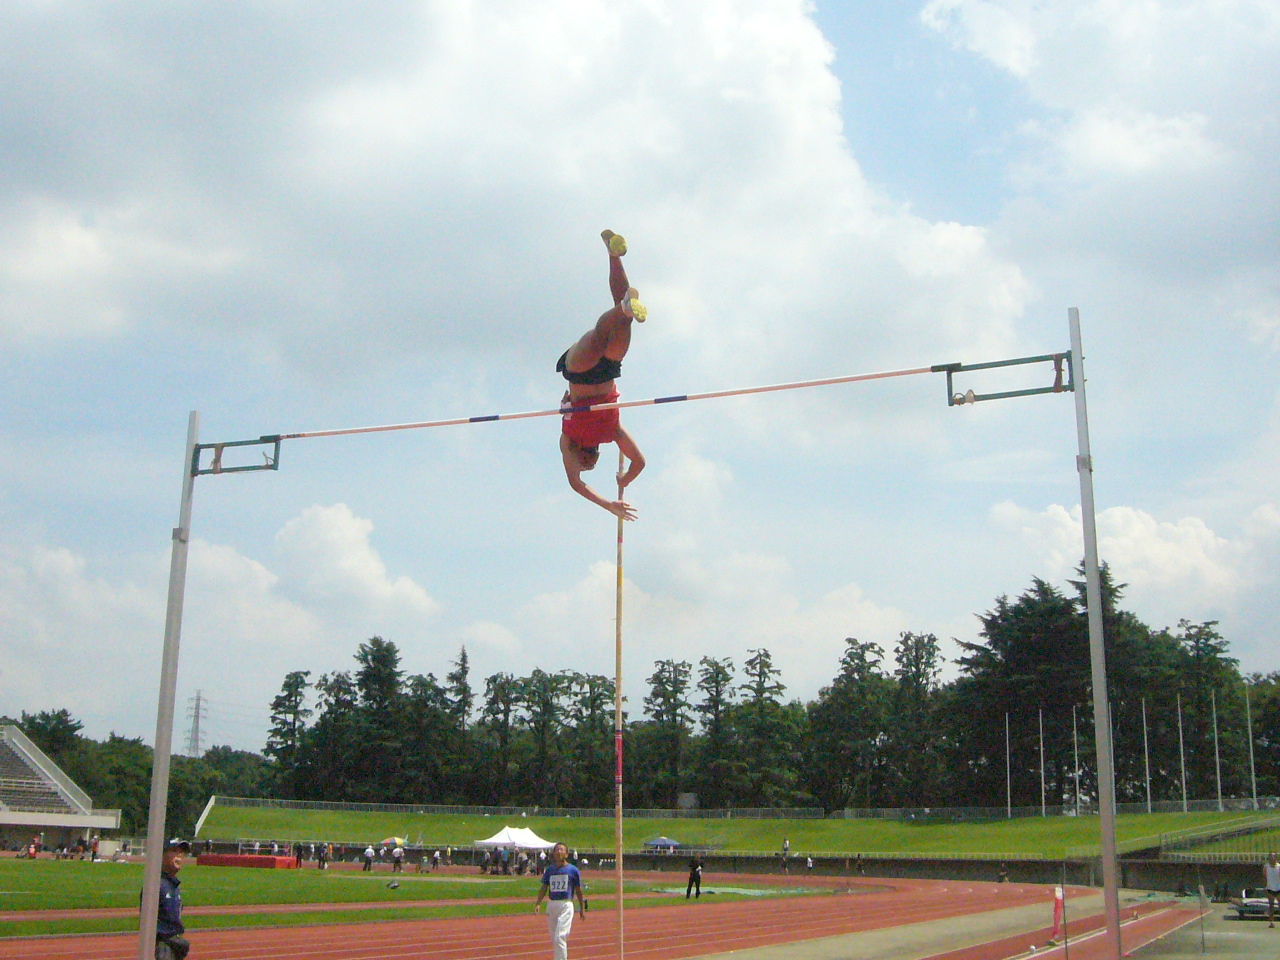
(295, 217)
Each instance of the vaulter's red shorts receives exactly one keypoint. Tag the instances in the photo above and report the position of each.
(590, 428)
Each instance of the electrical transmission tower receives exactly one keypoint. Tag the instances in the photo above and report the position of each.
(196, 707)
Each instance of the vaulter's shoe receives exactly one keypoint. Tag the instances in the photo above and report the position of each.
(616, 243)
(632, 306)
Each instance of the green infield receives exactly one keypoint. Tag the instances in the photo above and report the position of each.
(1024, 837)
(79, 884)
(247, 897)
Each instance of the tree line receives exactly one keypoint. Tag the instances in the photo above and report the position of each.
(887, 731)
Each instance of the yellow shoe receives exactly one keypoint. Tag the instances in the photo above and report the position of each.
(633, 308)
(616, 243)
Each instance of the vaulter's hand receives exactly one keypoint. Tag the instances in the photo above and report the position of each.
(622, 510)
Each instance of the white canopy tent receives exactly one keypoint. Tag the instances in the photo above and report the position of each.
(516, 837)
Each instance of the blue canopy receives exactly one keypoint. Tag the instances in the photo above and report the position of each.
(662, 842)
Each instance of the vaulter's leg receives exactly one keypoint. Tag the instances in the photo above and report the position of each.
(611, 336)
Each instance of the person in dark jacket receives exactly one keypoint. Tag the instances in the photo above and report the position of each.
(170, 942)
(694, 886)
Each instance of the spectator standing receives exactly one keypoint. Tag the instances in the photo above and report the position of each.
(397, 860)
(1271, 878)
(322, 857)
(435, 861)
(171, 944)
(368, 859)
(297, 854)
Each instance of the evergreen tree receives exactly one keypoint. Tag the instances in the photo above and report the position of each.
(55, 732)
(912, 733)
(770, 735)
(542, 697)
(590, 744)
(458, 689)
(289, 716)
(460, 750)
(843, 755)
(667, 705)
(497, 728)
(719, 772)
(332, 746)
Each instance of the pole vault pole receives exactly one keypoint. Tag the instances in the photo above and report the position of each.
(617, 725)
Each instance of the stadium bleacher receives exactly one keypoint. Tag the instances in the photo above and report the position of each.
(22, 787)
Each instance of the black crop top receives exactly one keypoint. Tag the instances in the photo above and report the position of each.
(604, 371)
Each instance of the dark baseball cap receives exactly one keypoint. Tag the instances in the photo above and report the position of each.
(178, 844)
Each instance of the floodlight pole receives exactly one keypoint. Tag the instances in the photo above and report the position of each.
(1097, 652)
(164, 710)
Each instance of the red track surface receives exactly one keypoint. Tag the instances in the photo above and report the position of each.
(682, 930)
(1087, 938)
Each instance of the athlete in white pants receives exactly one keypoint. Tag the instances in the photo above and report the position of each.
(561, 882)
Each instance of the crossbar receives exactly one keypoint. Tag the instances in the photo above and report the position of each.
(558, 411)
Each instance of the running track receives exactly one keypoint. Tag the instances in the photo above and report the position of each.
(683, 930)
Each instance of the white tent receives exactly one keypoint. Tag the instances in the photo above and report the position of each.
(516, 837)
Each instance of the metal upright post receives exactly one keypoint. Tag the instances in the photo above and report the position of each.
(1075, 749)
(1008, 772)
(1043, 811)
(1248, 723)
(1097, 653)
(1182, 756)
(1217, 757)
(1146, 753)
(164, 708)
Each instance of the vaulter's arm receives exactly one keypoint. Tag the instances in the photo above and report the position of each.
(573, 471)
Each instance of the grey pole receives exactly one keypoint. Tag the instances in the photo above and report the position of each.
(1097, 653)
(1217, 760)
(164, 707)
(1075, 749)
(1043, 811)
(1182, 756)
(1008, 773)
(1146, 753)
(1248, 723)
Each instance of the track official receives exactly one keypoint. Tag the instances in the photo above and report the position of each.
(561, 882)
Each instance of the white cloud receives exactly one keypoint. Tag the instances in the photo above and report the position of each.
(57, 617)
(329, 555)
(1001, 32)
(1132, 143)
(1181, 567)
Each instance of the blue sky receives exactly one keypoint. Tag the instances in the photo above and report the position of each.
(294, 219)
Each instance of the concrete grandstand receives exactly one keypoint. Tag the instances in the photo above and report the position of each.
(38, 799)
